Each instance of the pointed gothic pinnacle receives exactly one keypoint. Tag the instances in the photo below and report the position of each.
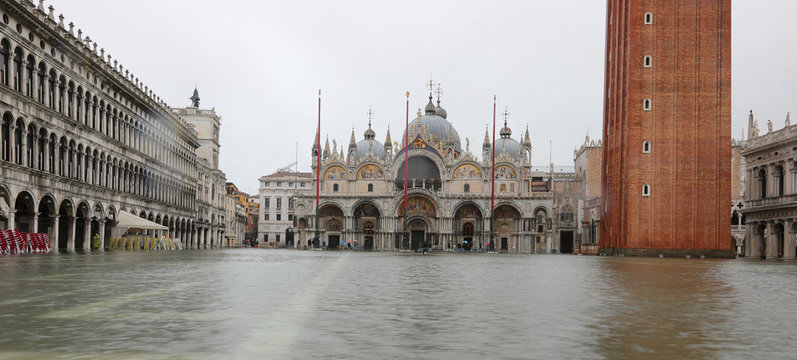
(486, 137)
(353, 141)
(388, 141)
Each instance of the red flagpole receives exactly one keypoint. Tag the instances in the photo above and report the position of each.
(492, 180)
(318, 168)
(406, 160)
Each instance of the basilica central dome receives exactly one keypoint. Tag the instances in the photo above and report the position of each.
(438, 128)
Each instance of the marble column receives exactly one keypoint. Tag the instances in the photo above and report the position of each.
(35, 228)
(772, 242)
(103, 243)
(789, 240)
(54, 237)
(11, 219)
(70, 245)
(87, 235)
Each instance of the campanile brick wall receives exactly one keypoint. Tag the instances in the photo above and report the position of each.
(688, 126)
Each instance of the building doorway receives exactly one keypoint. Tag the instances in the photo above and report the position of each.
(334, 242)
(504, 244)
(417, 239)
(566, 242)
(368, 231)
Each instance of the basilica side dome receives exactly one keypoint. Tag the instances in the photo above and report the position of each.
(370, 144)
(506, 144)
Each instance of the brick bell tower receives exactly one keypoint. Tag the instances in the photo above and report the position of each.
(667, 129)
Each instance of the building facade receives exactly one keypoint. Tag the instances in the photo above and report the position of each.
(277, 195)
(667, 127)
(236, 218)
(770, 207)
(83, 139)
(448, 192)
(211, 181)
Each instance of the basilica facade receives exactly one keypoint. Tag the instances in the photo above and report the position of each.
(448, 192)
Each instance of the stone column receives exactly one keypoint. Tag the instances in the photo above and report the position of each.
(102, 235)
(35, 228)
(87, 235)
(54, 237)
(11, 219)
(46, 90)
(22, 81)
(70, 245)
(23, 147)
(772, 247)
(12, 148)
(789, 240)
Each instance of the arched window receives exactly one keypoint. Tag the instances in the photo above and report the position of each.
(370, 187)
(762, 184)
(648, 61)
(779, 180)
(5, 55)
(646, 190)
(467, 188)
(646, 147)
(648, 18)
(335, 187)
(646, 105)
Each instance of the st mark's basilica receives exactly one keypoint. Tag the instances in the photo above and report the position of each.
(448, 189)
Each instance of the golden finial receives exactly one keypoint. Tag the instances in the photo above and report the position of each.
(319, 92)
(408, 94)
(494, 97)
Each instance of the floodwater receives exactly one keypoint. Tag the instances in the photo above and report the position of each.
(290, 304)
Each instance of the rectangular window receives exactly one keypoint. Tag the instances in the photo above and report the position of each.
(265, 238)
(290, 203)
(301, 184)
(290, 217)
(265, 184)
(279, 183)
(290, 184)
(266, 203)
(279, 217)
(279, 203)
(266, 217)
(278, 237)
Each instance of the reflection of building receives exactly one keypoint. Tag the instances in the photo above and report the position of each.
(83, 139)
(667, 127)
(252, 216)
(448, 187)
(276, 199)
(770, 206)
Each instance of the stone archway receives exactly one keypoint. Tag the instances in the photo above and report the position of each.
(418, 230)
(366, 225)
(506, 222)
(47, 215)
(467, 222)
(82, 227)
(332, 224)
(66, 226)
(24, 212)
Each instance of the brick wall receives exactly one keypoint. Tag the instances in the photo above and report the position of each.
(688, 125)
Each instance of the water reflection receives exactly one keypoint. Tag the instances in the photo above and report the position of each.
(255, 303)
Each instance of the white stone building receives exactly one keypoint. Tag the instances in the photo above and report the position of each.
(83, 139)
(276, 194)
(770, 207)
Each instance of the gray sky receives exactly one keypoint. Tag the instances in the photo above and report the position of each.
(261, 63)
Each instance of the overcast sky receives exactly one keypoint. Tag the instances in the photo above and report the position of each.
(261, 63)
